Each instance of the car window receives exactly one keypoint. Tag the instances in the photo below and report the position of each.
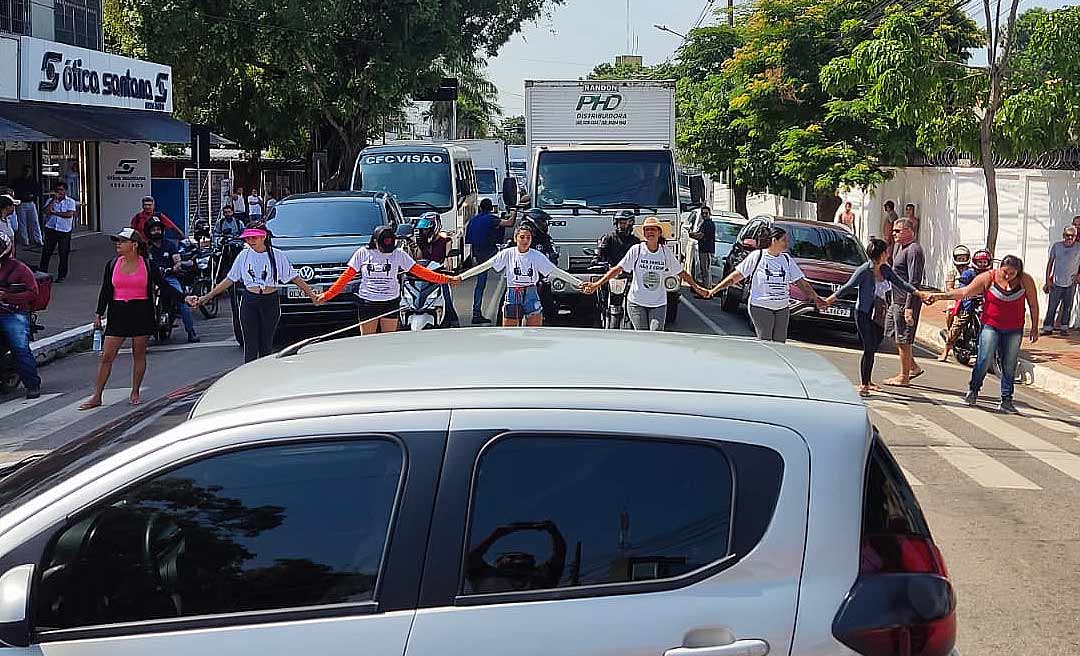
(824, 244)
(485, 181)
(727, 232)
(326, 218)
(272, 527)
(556, 512)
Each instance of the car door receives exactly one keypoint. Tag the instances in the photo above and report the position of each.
(261, 540)
(592, 533)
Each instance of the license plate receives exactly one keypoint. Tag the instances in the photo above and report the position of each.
(296, 292)
(837, 312)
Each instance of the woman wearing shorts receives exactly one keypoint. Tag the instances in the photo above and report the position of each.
(649, 263)
(771, 271)
(126, 290)
(523, 268)
(261, 269)
(380, 265)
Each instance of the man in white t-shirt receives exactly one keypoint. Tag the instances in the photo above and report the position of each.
(254, 201)
(60, 219)
(650, 264)
(239, 204)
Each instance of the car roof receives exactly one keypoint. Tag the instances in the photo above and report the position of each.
(793, 220)
(532, 358)
(334, 196)
(419, 147)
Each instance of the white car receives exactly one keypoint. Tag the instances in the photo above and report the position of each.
(728, 225)
(465, 492)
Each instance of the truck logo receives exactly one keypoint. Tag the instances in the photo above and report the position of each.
(561, 224)
(596, 102)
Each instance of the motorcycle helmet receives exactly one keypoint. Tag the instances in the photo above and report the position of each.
(384, 239)
(155, 228)
(536, 220)
(426, 226)
(982, 259)
(961, 256)
(201, 231)
(623, 216)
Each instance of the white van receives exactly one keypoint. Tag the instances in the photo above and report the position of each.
(489, 160)
(424, 178)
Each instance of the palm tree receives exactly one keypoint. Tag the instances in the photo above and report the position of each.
(476, 109)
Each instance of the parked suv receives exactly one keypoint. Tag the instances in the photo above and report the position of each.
(329, 497)
(320, 232)
(827, 254)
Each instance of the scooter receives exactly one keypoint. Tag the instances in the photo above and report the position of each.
(423, 305)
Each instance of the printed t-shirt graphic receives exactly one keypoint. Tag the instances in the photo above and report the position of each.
(522, 269)
(649, 270)
(379, 273)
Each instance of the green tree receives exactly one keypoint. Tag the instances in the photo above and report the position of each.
(292, 74)
(623, 71)
(511, 130)
(1026, 100)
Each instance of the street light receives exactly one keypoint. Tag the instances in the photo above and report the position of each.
(665, 28)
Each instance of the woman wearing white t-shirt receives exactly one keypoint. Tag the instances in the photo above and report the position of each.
(261, 269)
(771, 271)
(649, 263)
(523, 268)
(380, 265)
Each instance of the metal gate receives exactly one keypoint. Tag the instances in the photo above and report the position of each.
(207, 191)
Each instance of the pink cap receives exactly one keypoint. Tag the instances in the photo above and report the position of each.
(252, 232)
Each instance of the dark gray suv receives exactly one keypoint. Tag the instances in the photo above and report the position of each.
(320, 232)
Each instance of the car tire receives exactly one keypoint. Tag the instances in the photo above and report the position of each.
(729, 302)
(673, 308)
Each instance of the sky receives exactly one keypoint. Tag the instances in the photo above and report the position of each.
(583, 33)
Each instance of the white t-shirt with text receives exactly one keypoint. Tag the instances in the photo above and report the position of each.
(769, 278)
(380, 272)
(254, 205)
(522, 269)
(252, 269)
(649, 270)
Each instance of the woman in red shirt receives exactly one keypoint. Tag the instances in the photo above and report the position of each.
(1006, 290)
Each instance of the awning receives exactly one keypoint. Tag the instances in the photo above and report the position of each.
(31, 121)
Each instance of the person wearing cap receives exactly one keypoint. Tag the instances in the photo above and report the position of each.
(261, 269)
(650, 263)
(523, 267)
(18, 289)
(165, 256)
(483, 233)
(380, 265)
(149, 211)
(9, 221)
(771, 272)
(127, 288)
(433, 246)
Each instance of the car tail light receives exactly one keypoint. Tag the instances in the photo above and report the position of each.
(902, 603)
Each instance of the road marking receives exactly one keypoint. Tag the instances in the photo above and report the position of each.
(19, 405)
(58, 420)
(957, 401)
(911, 477)
(1051, 454)
(1058, 426)
(183, 347)
(712, 325)
(973, 463)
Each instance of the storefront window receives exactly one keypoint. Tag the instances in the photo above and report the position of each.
(64, 161)
(78, 23)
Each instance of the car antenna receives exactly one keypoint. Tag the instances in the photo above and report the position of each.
(293, 349)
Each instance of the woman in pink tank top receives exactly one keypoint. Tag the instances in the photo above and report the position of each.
(1005, 291)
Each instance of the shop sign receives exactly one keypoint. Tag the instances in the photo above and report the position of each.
(9, 69)
(59, 73)
(123, 180)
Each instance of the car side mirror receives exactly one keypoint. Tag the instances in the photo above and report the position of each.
(15, 606)
(404, 231)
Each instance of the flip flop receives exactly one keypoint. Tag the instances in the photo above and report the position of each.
(865, 393)
(897, 382)
(916, 374)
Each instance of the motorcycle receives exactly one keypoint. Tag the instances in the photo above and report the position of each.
(225, 251)
(966, 347)
(610, 302)
(9, 378)
(166, 313)
(197, 276)
(423, 305)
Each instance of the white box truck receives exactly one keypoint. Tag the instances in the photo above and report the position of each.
(519, 162)
(598, 147)
(491, 166)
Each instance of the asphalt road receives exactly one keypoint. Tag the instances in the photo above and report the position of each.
(1001, 493)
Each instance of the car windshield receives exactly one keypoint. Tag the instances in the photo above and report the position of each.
(824, 244)
(726, 232)
(326, 218)
(21, 483)
(485, 182)
(645, 178)
(411, 177)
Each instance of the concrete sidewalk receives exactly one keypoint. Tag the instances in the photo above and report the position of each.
(1052, 364)
(69, 318)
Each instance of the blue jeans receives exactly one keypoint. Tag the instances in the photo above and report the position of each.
(15, 332)
(1060, 297)
(478, 294)
(1003, 344)
(185, 311)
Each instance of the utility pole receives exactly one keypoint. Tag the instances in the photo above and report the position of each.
(731, 13)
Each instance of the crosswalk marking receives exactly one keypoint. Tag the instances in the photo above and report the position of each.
(1051, 454)
(11, 407)
(1058, 426)
(58, 420)
(973, 463)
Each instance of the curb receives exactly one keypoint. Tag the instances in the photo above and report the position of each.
(47, 349)
(1038, 376)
